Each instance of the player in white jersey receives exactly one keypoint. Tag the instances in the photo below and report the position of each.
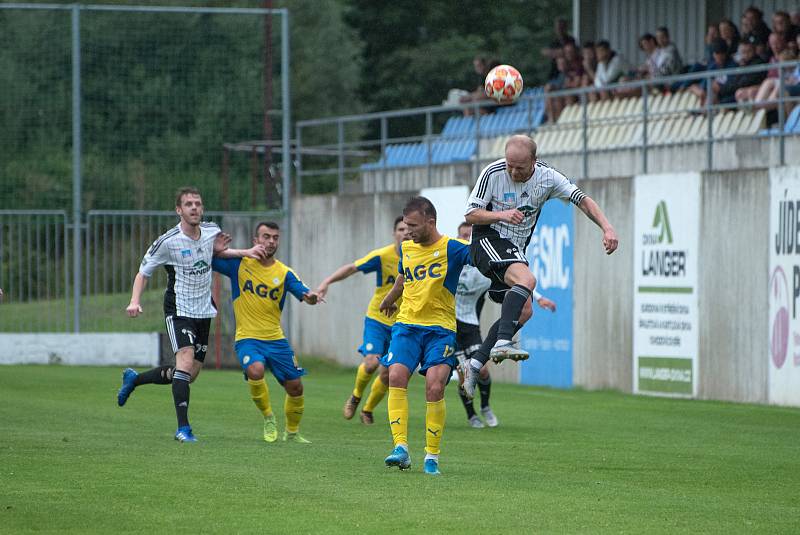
(472, 286)
(186, 252)
(503, 209)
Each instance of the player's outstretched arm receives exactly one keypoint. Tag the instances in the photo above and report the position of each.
(388, 306)
(221, 250)
(593, 212)
(338, 275)
(479, 216)
(139, 284)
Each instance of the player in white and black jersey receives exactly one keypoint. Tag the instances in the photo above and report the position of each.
(503, 209)
(472, 286)
(185, 251)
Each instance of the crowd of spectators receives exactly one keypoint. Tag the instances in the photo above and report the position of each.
(597, 65)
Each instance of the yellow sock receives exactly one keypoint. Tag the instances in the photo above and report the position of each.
(434, 426)
(376, 394)
(293, 407)
(260, 394)
(362, 379)
(398, 415)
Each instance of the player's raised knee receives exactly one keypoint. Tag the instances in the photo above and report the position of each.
(255, 371)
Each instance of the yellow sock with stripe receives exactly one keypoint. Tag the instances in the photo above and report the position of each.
(293, 407)
(398, 415)
(260, 394)
(434, 426)
(376, 394)
(362, 380)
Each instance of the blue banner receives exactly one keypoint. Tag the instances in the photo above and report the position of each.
(548, 335)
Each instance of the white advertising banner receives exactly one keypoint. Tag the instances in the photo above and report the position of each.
(90, 349)
(784, 286)
(665, 330)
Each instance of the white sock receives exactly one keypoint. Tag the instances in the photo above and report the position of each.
(431, 456)
(475, 364)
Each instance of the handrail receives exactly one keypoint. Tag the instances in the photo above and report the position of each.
(645, 114)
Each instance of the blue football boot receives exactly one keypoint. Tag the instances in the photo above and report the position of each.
(399, 458)
(431, 467)
(184, 434)
(128, 378)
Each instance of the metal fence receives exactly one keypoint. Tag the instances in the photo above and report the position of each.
(115, 107)
(444, 137)
(35, 260)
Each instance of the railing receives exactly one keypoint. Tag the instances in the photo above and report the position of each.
(356, 144)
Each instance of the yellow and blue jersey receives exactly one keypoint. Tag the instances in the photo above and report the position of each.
(382, 262)
(259, 294)
(431, 279)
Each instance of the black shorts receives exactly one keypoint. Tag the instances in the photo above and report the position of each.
(467, 336)
(189, 332)
(492, 255)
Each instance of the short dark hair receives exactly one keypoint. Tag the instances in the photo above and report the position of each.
(663, 29)
(647, 37)
(397, 220)
(588, 44)
(464, 224)
(269, 224)
(755, 11)
(186, 190)
(603, 44)
(421, 205)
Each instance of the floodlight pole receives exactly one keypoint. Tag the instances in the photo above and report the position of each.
(76, 168)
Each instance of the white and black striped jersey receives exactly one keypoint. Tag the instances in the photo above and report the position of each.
(496, 191)
(188, 265)
(471, 285)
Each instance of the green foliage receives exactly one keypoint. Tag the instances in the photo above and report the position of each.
(560, 462)
(161, 94)
(419, 49)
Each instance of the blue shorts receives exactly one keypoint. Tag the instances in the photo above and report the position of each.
(376, 338)
(415, 345)
(276, 355)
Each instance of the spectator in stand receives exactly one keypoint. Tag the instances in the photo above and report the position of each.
(556, 45)
(648, 69)
(669, 59)
(729, 33)
(610, 68)
(569, 77)
(756, 25)
(782, 25)
(649, 45)
(776, 45)
(725, 93)
(752, 37)
(722, 60)
(588, 64)
(712, 33)
(767, 95)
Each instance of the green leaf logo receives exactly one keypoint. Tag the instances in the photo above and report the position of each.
(661, 222)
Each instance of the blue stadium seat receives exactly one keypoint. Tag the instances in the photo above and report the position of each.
(790, 126)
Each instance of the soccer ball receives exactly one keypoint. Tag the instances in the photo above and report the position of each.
(503, 84)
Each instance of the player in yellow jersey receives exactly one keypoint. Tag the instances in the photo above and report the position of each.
(259, 289)
(377, 326)
(424, 334)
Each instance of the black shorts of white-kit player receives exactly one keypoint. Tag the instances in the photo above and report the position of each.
(498, 245)
(492, 255)
(189, 332)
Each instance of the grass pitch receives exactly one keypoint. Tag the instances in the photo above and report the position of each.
(561, 461)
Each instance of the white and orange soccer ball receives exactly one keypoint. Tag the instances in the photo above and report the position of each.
(503, 84)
